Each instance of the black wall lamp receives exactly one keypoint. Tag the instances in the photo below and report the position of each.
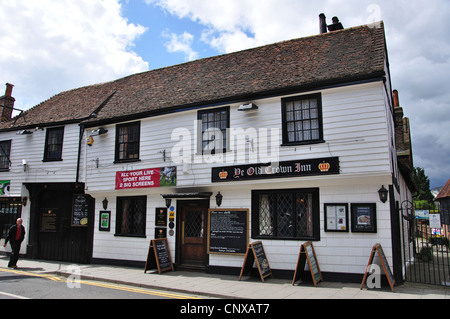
(168, 202)
(219, 198)
(383, 193)
(105, 203)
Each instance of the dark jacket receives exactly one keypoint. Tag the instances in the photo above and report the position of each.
(12, 234)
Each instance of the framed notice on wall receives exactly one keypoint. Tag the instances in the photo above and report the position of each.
(80, 210)
(336, 217)
(104, 220)
(364, 218)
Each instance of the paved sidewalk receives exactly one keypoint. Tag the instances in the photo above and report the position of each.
(222, 286)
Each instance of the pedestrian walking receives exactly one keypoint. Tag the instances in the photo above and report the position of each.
(15, 237)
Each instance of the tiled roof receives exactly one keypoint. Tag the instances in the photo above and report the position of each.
(347, 55)
(74, 105)
(445, 191)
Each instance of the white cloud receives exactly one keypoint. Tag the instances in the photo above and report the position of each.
(180, 43)
(50, 46)
(232, 25)
(237, 25)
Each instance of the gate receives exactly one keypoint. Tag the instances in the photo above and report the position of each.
(425, 249)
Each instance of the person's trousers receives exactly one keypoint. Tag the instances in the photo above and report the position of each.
(15, 247)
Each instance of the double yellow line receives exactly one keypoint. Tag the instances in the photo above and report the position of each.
(25, 273)
(102, 285)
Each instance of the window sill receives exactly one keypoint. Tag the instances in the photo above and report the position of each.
(52, 160)
(288, 238)
(127, 161)
(302, 143)
(130, 235)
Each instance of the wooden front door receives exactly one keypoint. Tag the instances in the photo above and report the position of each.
(193, 234)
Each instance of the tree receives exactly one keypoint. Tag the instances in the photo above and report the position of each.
(424, 198)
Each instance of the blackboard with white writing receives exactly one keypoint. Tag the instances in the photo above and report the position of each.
(159, 256)
(256, 254)
(307, 253)
(228, 231)
(80, 211)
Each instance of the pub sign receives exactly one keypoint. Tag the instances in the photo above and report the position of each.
(298, 168)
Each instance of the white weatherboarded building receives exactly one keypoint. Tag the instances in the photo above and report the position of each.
(286, 143)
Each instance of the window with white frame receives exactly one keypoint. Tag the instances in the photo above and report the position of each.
(214, 124)
(302, 119)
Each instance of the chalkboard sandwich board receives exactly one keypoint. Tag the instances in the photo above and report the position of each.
(378, 249)
(159, 256)
(255, 254)
(228, 231)
(307, 253)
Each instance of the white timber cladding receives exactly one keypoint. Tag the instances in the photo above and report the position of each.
(30, 148)
(354, 126)
(355, 129)
(336, 252)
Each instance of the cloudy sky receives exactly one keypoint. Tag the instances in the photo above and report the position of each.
(49, 46)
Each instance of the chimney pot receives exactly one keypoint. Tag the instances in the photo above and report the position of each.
(323, 23)
(9, 88)
(396, 99)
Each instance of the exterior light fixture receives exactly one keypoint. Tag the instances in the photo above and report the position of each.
(168, 202)
(99, 131)
(105, 203)
(24, 132)
(383, 193)
(248, 107)
(219, 198)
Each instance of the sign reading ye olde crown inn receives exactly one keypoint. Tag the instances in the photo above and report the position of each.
(299, 168)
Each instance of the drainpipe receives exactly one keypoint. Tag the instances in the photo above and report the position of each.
(80, 138)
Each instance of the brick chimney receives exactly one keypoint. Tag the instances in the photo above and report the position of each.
(7, 103)
(402, 134)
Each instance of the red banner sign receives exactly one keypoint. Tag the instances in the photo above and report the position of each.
(146, 178)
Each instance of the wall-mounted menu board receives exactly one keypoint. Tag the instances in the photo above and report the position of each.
(159, 256)
(307, 253)
(228, 231)
(256, 254)
(80, 210)
(378, 249)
